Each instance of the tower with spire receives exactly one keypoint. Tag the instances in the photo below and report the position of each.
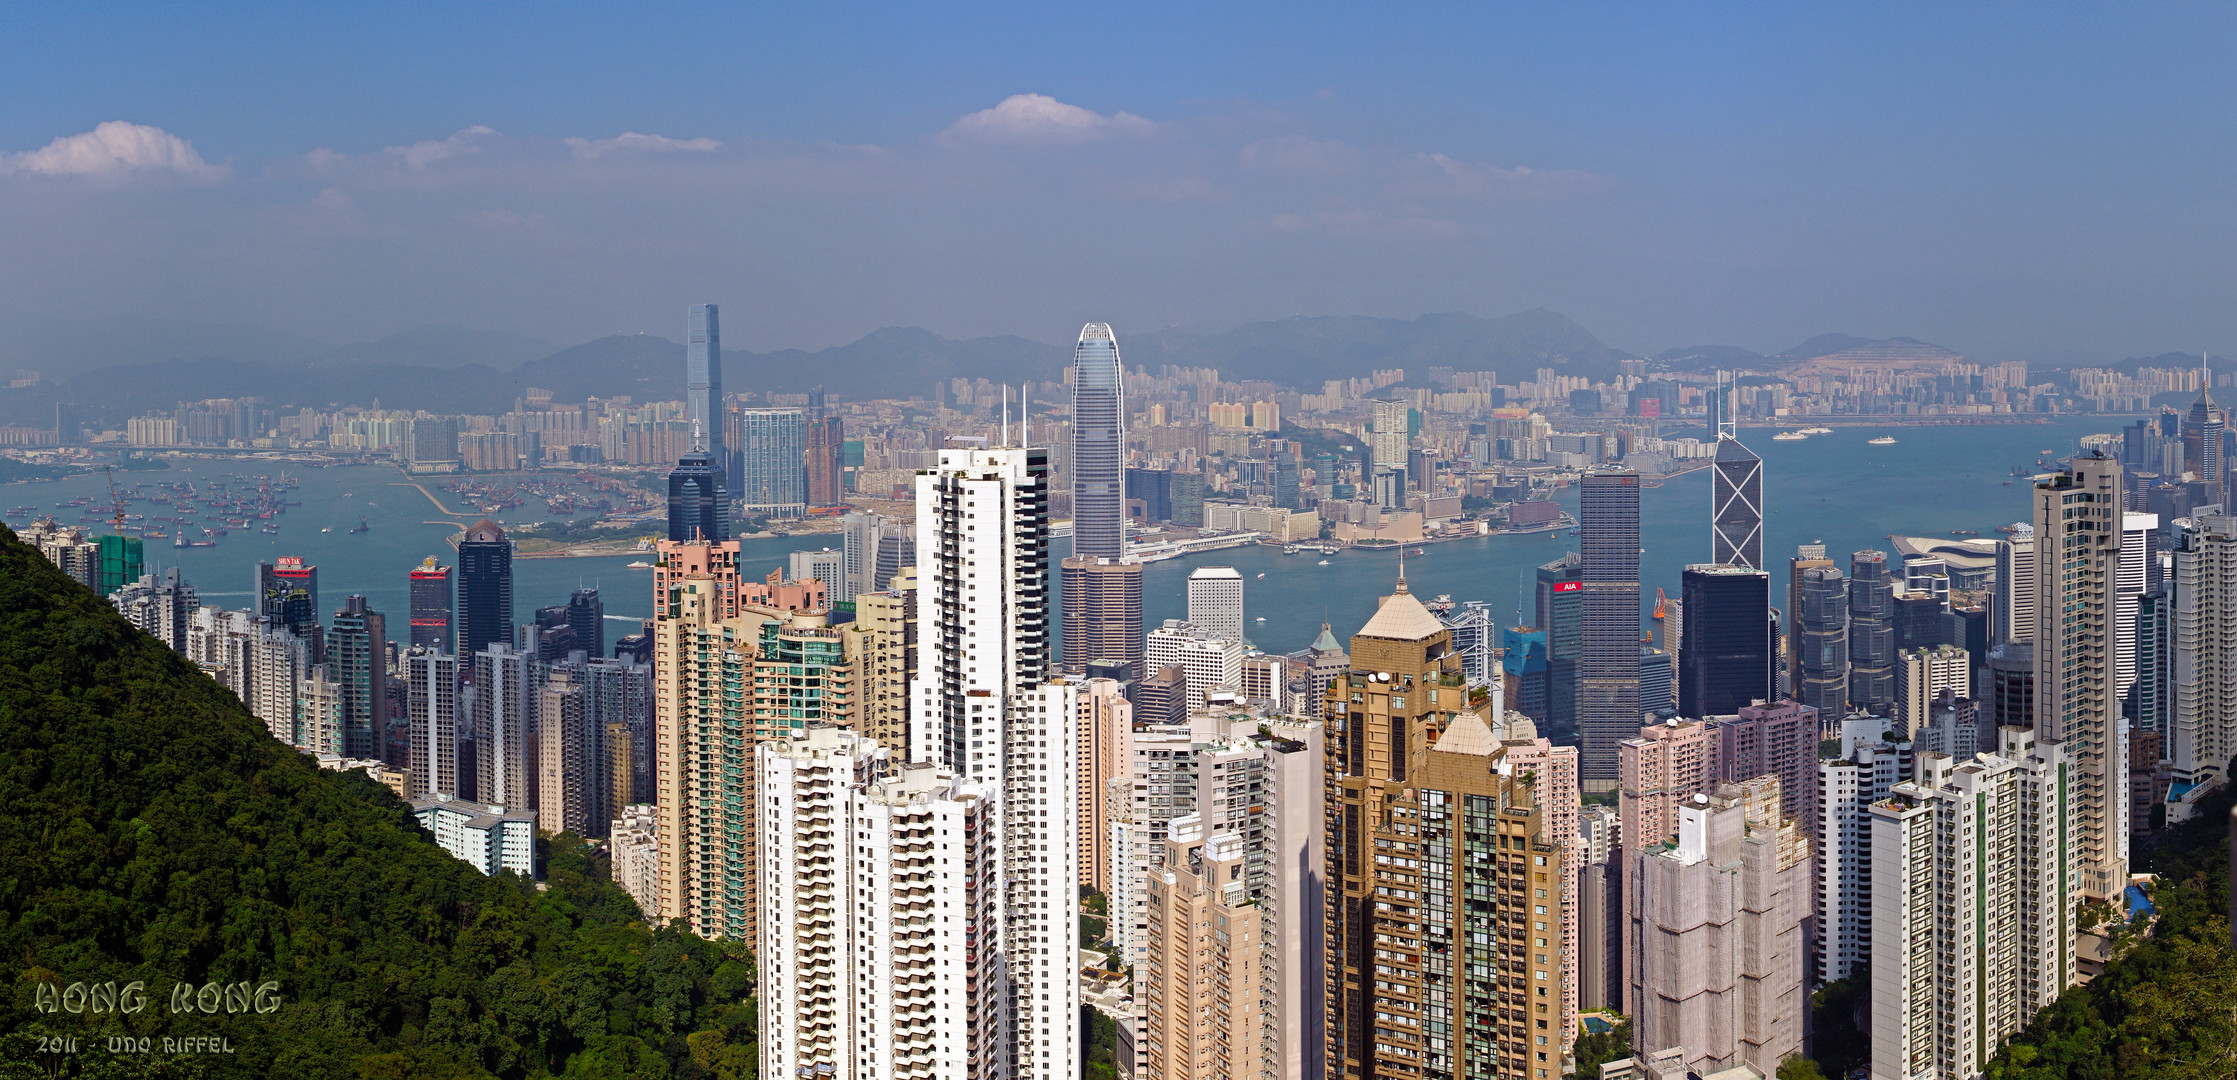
(2202, 432)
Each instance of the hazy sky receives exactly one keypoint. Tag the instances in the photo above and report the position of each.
(2033, 182)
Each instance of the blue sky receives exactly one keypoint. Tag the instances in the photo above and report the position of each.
(2014, 182)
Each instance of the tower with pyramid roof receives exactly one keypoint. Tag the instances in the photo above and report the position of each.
(1435, 858)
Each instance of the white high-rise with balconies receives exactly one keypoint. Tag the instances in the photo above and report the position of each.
(989, 706)
(1972, 920)
(877, 882)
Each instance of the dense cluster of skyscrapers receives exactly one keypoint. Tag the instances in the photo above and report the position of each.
(1372, 860)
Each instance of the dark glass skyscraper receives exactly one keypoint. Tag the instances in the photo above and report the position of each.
(1821, 640)
(586, 613)
(287, 595)
(696, 505)
(433, 609)
(1736, 506)
(1098, 447)
(1871, 633)
(703, 381)
(358, 653)
(1561, 615)
(1726, 657)
(2202, 440)
(485, 588)
(1608, 709)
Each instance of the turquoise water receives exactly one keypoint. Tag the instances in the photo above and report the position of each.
(1831, 488)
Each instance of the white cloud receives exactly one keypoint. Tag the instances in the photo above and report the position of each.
(113, 148)
(630, 140)
(1039, 118)
(427, 152)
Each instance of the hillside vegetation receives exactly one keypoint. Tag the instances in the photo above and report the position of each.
(151, 830)
(2162, 1010)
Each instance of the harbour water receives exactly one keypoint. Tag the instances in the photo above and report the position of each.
(1834, 489)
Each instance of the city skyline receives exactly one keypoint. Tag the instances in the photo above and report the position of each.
(995, 700)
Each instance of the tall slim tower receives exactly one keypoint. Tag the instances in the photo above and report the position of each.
(485, 588)
(988, 707)
(1102, 593)
(703, 382)
(1098, 446)
(1871, 633)
(358, 654)
(432, 678)
(2077, 701)
(2202, 434)
(433, 610)
(1821, 636)
(1736, 506)
(2139, 552)
(1446, 926)
(1608, 709)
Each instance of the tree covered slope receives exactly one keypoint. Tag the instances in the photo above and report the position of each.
(151, 830)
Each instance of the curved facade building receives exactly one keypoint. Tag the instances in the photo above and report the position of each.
(1098, 446)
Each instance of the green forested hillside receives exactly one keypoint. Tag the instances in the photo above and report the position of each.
(2163, 1009)
(151, 830)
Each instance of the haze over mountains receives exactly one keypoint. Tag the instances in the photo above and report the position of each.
(127, 367)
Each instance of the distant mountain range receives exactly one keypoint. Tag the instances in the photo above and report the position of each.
(1305, 351)
(452, 370)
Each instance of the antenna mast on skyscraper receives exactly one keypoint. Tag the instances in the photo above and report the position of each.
(1726, 429)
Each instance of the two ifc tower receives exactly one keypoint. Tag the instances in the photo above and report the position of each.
(1102, 593)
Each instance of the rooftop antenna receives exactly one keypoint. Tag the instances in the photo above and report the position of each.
(1401, 568)
(1726, 429)
(1005, 414)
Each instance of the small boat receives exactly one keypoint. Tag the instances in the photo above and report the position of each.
(1817, 431)
(1262, 576)
(361, 527)
(1789, 436)
(1324, 562)
(327, 529)
(643, 565)
(1884, 440)
(1421, 551)
(1262, 618)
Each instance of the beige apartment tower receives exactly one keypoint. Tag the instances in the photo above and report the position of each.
(887, 625)
(1106, 730)
(1444, 923)
(1205, 969)
(2078, 521)
(728, 675)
